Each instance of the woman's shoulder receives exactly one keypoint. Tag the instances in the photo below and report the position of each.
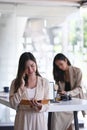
(12, 83)
(43, 79)
(12, 87)
(75, 69)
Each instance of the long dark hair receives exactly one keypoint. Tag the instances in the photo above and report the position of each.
(58, 74)
(21, 67)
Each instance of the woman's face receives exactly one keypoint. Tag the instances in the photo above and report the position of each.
(30, 67)
(62, 64)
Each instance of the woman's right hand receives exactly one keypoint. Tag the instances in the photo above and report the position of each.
(37, 106)
(23, 82)
(62, 92)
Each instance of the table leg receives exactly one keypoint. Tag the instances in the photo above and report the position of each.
(76, 120)
(49, 120)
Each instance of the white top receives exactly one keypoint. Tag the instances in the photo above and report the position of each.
(31, 92)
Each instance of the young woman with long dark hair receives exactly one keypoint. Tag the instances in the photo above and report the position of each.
(68, 78)
(29, 86)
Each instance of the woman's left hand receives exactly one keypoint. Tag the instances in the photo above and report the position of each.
(37, 106)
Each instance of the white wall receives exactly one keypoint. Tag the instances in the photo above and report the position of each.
(10, 37)
(7, 49)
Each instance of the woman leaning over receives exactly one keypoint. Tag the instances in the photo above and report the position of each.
(29, 86)
(68, 78)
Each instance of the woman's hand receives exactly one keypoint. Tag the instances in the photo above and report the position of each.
(23, 82)
(63, 92)
(37, 106)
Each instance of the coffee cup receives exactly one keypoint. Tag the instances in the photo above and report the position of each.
(6, 89)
